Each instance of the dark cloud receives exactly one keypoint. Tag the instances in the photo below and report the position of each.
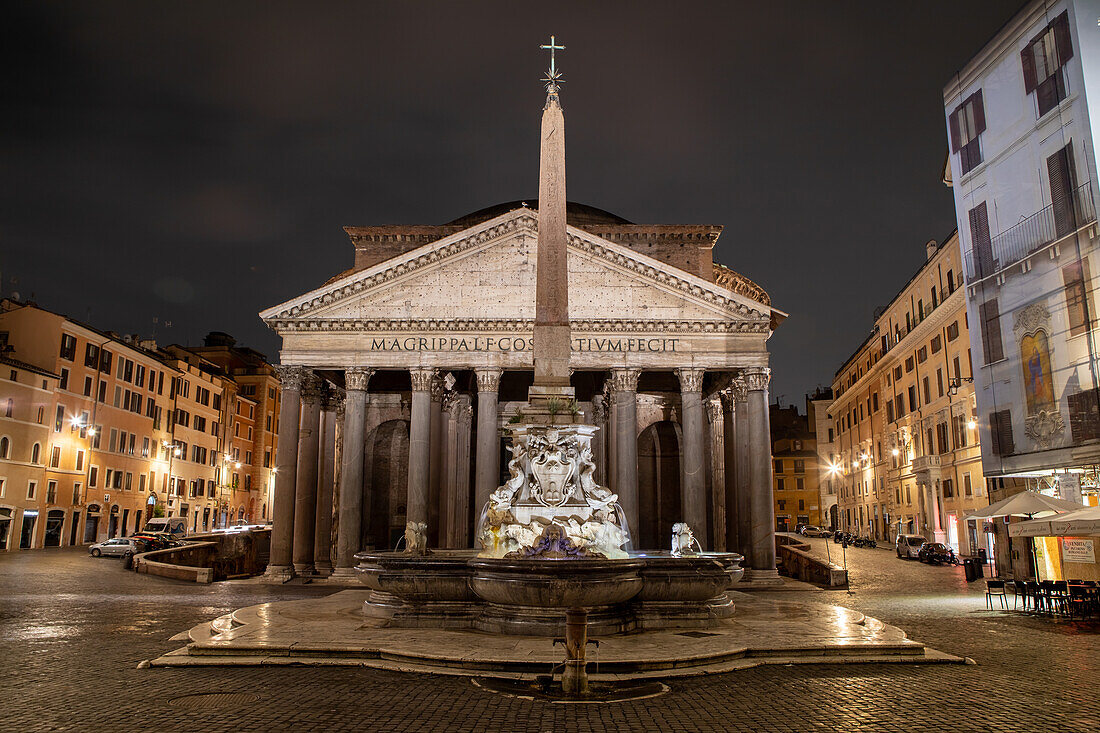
(194, 162)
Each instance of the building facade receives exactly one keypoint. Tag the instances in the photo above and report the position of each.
(1023, 172)
(907, 457)
(105, 431)
(795, 470)
(817, 413)
(433, 326)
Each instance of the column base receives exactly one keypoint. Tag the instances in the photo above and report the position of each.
(345, 574)
(304, 568)
(324, 569)
(278, 573)
(757, 577)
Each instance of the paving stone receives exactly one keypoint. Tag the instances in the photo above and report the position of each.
(73, 630)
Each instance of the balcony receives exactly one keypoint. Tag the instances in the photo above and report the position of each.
(1032, 234)
(927, 467)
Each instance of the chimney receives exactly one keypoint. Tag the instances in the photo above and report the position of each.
(930, 248)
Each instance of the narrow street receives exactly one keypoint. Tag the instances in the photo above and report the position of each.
(73, 630)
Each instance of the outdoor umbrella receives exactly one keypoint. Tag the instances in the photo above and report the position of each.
(1081, 522)
(1024, 504)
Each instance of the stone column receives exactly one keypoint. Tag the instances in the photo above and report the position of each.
(715, 473)
(349, 523)
(326, 472)
(487, 451)
(420, 428)
(279, 566)
(729, 459)
(693, 495)
(625, 386)
(305, 490)
(761, 496)
(464, 413)
(599, 440)
(448, 438)
(436, 512)
(938, 533)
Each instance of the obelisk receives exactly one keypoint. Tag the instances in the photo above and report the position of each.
(551, 337)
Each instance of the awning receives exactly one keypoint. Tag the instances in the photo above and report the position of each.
(1024, 504)
(1072, 524)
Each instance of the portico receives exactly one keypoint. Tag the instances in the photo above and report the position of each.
(427, 345)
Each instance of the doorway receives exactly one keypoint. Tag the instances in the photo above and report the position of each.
(55, 522)
(659, 501)
(387, 474)
(91, 524)
(26, 536)
(74, 529)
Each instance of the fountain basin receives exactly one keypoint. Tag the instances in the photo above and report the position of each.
(455, 589)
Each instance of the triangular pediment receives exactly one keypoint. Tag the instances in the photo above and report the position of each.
(487, 274)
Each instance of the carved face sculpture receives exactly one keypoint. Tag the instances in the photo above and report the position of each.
(552, 471)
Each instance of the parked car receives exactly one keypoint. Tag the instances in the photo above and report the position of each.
(155, 540)
(908, 545)
(935, 553)
(811, 531)
(175, 526)
(118, 547)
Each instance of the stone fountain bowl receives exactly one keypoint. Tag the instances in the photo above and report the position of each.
(439, 577)
(687, 578)
(556, 584)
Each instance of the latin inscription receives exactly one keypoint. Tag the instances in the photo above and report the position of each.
(517, 343)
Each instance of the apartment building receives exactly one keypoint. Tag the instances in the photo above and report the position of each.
(907, 457)
(795, 470)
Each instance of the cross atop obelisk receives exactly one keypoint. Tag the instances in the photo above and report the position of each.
(552, 334)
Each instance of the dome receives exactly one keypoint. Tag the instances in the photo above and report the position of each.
(578, 215)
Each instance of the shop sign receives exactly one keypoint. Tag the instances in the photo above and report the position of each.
(1078, 549)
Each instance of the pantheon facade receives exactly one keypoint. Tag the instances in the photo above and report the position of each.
(416, 359)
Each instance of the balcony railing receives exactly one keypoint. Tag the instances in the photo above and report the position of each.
(1032, 234)
(925, 463)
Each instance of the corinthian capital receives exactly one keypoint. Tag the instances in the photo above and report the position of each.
(625, 380)
(738, 390)
(312, 385)
(357, 378)
(756, 378)
(422, 379)
(714, 409)
(488, 380)
(333, 399)
(290, 377)
(691, 380)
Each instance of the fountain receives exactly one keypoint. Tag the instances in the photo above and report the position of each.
(556, 554)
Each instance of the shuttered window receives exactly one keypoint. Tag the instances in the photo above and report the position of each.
(1061, 177)
(991, 331)
(1042, 63)
(1078, 303)
(980, 241)
(1000, 430)
(1084, 415)
(966, 124)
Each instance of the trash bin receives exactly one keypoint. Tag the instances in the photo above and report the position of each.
(969, 569)
(979, 567)
(981, 555)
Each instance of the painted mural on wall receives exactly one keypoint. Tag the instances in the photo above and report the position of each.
(1035, 359)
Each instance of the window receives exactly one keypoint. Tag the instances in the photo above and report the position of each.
(87, 386)
(5, 447)
(80, 460)
(1042, 63)
(927, 391)
(889, 411)
(913, 397)
(941, 438)
(937, 344)
(1076, 277)
(966, 124)
(267, 452)
(68, 347)
(874, 402)
(93, 475)
(59, 419)
(1084, 415)
(1000, 429)
(778, 466)
(982, 264)
(105, 361)
(948, 488)
(968, 489)
(991, 331)
(36, 451)
(51, 492)
(9, 407)
(897, 372)
(799, 466)
(91, 356)
(922, 354)
(953, 331)
(800, 484)
(909, 365)
(64, 382)
(31, 487)
(55, 457)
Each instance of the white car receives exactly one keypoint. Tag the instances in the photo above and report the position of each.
(117, 547)
(908, 545)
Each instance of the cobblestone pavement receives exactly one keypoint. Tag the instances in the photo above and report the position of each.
(73, 629)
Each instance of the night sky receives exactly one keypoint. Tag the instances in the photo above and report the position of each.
(193, 163)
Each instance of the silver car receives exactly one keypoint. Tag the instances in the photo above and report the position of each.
(117, 547)
(908, 545)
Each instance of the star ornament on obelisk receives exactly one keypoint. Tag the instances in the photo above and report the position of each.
(552, 334)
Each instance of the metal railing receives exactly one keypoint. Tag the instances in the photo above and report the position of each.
(1033, 233)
